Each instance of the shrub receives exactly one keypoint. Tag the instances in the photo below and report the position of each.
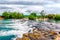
(33, 13)
(39, 16)
(19, 15)
(57, 17)
(31, 17)
(6, 15)
(50, 16)
(12, 15)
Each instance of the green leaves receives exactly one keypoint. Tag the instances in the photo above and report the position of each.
(33, 13)
(50, 16)
(53, 16)
(19, 16)
(6, 15)
(57, 17)
(12, 15)
(32, 16)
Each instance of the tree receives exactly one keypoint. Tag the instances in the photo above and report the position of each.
(6, 15)
(13, 15)
(42, 14)
(32, 16)
(20, 15)
(57, 17)
(39, 16)
(50, 16)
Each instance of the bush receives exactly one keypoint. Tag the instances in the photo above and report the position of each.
(19, 16)
(6, 15)
(32, 16)
(57, 17)
(39, 16)
(50, 16)
(12, 15)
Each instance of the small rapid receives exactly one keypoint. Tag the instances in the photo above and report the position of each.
(12, 28)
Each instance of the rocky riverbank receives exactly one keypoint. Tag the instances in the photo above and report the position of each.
(42, 31)
(38, 34)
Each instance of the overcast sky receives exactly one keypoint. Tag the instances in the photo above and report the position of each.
(50, 6)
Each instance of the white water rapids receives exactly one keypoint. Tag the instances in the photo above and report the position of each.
(19, 27)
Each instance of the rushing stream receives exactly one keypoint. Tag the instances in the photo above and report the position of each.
(10, 29)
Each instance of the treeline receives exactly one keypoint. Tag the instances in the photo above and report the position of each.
(31, 16)
(53, 16)
(17, 15)
(12, 15)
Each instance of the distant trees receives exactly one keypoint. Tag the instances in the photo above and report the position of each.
(17, 15)
(42, 14)
(20, 15)
(12, 15)
(53, 16)
(57, 17)
(50, 16)
(32, 16)
(6, 15)
(39, 16)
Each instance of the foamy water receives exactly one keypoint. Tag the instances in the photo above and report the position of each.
(17, 27)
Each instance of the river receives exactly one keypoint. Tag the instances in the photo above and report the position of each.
(9, 29)
(12, 28)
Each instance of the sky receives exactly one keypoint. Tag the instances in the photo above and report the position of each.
(27, 6)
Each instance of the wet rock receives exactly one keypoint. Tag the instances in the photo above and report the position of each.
(18, 38)
(25, 37)
(42, 31)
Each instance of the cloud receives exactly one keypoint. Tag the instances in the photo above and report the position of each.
(57, 5)
(27, 2)
(52, 8)
(26, 6)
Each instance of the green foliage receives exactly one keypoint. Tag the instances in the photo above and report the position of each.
(25, 16)
(12, 15)
(19, 16)
(50, 16)
(57, 17)
(39, 16)
(32, 16)
(33, 13)
(6, 15)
